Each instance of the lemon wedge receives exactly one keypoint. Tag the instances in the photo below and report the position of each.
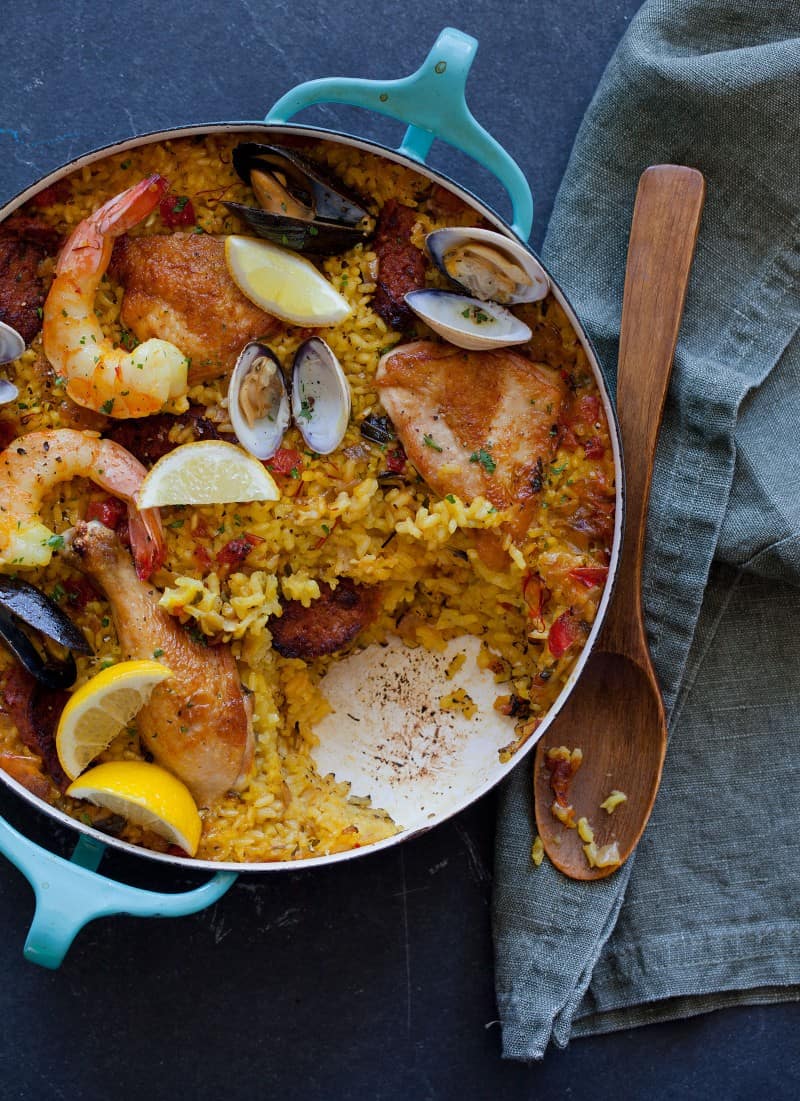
(96, 713)
(146, 795)
(284, 284)
(210, 472)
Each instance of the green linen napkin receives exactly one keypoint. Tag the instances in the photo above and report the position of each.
(707, 913)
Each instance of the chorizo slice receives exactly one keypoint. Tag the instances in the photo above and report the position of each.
(331, 622)
(401, 265)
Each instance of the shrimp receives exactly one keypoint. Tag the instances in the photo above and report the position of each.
(34, 463)
(96, 373)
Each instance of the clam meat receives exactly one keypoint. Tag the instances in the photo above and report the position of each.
(258, 400)
(468, 322)
(321, 400)
(297, 207)
(488, 265)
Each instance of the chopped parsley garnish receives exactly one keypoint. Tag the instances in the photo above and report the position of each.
(430, 442)
(180, 203)
(58, 592)
(158, 653)
(476, 314)
(125, 164)
(483, 456)
(176, 525)
(107, 406)
(305, 409)
(450, 498)
(56, 542)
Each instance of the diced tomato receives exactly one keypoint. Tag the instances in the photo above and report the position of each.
(284, 461)
(396, 460)
(79, 592)
(564, 633)
(236, 550)
(593, 448)
(109, 511)
(177, 210)
(589, 575)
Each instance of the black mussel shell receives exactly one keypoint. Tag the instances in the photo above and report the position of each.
(327, 200)
(321, 238)
(377, 429)
(37, 610)
(22, 603)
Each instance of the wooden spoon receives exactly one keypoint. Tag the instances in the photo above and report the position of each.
(615, 713)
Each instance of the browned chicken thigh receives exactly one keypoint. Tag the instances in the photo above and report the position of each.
(475, 424)
(196, 723)
(178, 288)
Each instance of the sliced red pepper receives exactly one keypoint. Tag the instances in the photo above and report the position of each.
(593, 448)
(177, 210)
(564, 633)
(589, 575)
(236, 550)
(284, 461)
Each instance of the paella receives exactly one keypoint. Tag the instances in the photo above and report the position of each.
(272, 407)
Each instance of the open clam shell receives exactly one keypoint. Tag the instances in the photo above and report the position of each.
(12, 345)
(468, 322)
(321, 400)
(297, 207)
(488, 265)
(258, 400)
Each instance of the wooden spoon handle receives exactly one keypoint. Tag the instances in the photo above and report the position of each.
(666, 220)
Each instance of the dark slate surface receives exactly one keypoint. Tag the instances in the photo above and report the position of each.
(371, 979)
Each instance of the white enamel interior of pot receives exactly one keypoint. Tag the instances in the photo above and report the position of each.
(387, 735)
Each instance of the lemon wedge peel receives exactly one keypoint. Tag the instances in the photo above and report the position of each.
(208, 472)
(146, 795)
(101, 708)
(282, 283)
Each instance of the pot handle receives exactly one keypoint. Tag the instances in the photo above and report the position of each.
(71, 893)
(432, 101)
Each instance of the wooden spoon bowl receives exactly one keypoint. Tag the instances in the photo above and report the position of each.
(615, 713)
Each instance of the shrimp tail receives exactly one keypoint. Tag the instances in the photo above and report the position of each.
(91, 241)
(147, 540)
